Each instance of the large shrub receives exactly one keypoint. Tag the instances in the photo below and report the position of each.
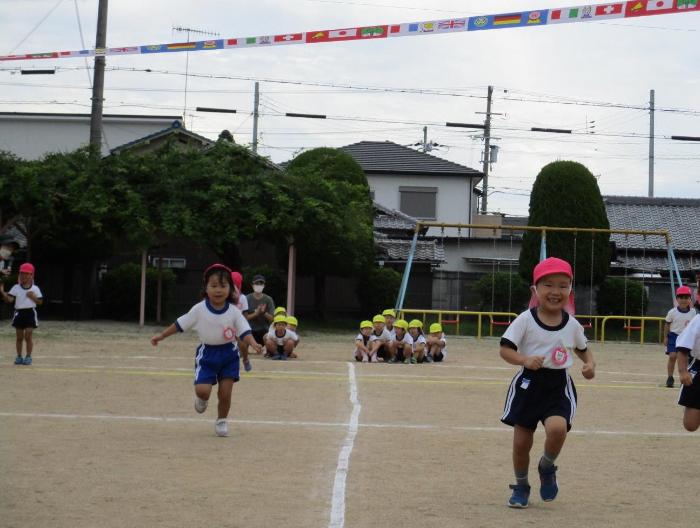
(378, 289)
(496, 286)
(120, 291)
(611, 297)
(566, 194)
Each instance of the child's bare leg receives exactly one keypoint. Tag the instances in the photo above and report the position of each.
(270, 347)
(224, 394)
(390, 351)
(420, 352)
(555, 428)
(203, 391)
(288, 348)
(19, 333)
(522, 443)
(243, 347)
(30, 341)
(671, 364)
(691, 419)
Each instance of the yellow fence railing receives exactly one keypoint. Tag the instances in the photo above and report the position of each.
(596, 323)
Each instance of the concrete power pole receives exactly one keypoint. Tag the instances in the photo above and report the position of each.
(256, 115)
(487, 151)
(98, 83)
(651, 143)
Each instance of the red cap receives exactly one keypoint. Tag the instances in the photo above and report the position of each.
(550, 266)
(26, 268)
(681, 290)
(216, 266)
(237, 279)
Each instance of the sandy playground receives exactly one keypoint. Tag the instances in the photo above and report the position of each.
(101, 431)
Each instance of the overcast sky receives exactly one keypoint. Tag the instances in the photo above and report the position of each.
(533, 70)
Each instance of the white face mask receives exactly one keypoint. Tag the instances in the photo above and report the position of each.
(5, 253)
(258, 288)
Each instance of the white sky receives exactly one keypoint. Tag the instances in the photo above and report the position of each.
(617, 61)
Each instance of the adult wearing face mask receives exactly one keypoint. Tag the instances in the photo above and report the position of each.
(7, 247)
(261, 308)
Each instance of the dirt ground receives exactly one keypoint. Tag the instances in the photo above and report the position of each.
(101, 431)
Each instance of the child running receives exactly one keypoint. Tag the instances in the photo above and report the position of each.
(677, 319)
(688, 349)
(415, 328)
(26, 296)
(542, 342)
(218, 323)
(436, 344)
(362, 352)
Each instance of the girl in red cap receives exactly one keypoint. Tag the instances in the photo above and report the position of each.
(26, 296)
(677, 319)
(219, 325)
(542, 341)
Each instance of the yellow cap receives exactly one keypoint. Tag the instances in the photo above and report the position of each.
(279, 319)
(378, 319)
(389, 311)
(435, 327)
(366, 324)
(280, 309)
(292, 320)
(401, 324)
(415, 323)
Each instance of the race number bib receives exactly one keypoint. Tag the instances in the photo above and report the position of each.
(559, 356)
(229, 333)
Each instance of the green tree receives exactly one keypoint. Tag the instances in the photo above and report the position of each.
(377, 289)
(502, 292)
(333, 228)
(618, 296)
(566, 194)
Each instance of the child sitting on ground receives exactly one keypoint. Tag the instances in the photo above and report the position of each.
(280, 341)
(436, 344)
(401, 346)
(292, 323)
(379, 340)
(362, 352)
(415, 328)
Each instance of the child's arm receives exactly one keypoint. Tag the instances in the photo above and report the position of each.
(253, 343)
(37, 300)
(683, 374)
(516, 358)
(667, 328)
(588, 369)
(361, 345)
(5, 296)
(172, 329)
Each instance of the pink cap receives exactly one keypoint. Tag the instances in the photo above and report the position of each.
(681, 290)
(216, 266)
(26, 268)
(550, 266)
(237, 279)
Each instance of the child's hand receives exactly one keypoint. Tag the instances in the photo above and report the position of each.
(534, 362)
(155, 339)
(32, 296)
(588, 370)
(258, 348)
(686, 378)
(665, 341)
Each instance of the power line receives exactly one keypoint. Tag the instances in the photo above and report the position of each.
(47, 15)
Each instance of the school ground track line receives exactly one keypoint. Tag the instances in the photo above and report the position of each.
(308, 376)
(335, 425)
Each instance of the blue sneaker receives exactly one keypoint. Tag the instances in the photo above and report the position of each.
(19, 360)
(548, 483)
(247, 366)
(520, 497)
(27, 360)
(280, 357)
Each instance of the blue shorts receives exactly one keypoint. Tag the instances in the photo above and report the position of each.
(671, 343)
(216, 362)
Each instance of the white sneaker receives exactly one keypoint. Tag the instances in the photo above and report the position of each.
(221, 427)
(200, 405)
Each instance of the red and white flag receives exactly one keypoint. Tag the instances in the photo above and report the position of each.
(342, 34)
(649, 7)
(289, 39)
(609, 11)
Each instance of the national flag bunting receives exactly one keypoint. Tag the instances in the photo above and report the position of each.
(507, 20)
(293, 37)
(609, 10)
(649, 7)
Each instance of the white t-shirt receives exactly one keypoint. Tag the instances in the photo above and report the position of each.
(288, 334)
(444, 345)
(679, 320)
(690, 338)
(392, 333)
(533, 338)
(418, 340)
(20, 294)
(407, 339)
(242, 303)
(214, 327)
(385, 336)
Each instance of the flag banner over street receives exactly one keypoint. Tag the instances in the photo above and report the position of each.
(534, 18)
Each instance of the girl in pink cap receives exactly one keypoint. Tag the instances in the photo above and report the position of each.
(676, 320)
(26, 296)
(542, 341)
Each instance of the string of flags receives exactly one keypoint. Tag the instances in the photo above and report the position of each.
(539, 17)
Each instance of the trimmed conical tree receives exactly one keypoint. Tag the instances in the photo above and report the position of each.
(566, 194)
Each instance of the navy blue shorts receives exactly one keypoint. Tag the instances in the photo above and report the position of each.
(216, 362)
(690, 396)
(535, 395)
(25, 318)
(671, 342)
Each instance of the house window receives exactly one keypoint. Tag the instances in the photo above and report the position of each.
(419, 202)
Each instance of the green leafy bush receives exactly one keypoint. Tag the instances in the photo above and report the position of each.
(120, 292)
(497, 284)
(611, 297)
(377, 290)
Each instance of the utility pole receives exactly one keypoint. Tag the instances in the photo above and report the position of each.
(425, 139)
(651, 143)
(256, 114)
(98, 83)
(487, 151)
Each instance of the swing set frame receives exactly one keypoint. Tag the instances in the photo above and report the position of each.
(674, 273)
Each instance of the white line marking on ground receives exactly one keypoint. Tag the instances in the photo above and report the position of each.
(293, 423)
(337, 519)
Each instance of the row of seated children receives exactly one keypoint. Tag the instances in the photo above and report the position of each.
(282, 338)
(399, 341)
